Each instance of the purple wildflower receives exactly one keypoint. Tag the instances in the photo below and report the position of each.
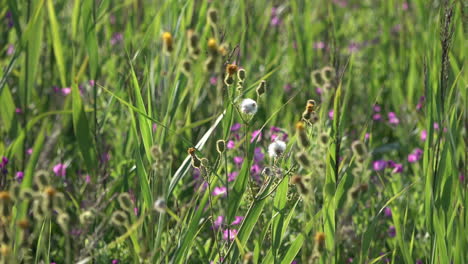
(379, 165)
(235, 127)
(238, 160)
(218, 222)
(115, 261)
(256, 135)
(391, 231)
(331, 114)
(237, 220)
(320, 45)
(230, 144)
(388, 212)
(213, 80)
(19, 176)
(219, 191)
(232, 234)
(258, 154)
(393, 119)
(287, 87)
(60, 170)
(397, 168)
(232, 176)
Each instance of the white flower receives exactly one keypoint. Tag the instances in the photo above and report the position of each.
(248, 106)
(276, 148)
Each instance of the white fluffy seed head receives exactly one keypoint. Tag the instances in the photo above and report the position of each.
(248, 106)
(276, 148)
(160, 205)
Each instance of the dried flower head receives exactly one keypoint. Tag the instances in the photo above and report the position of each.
(125, 202)
(119, 218)
(231, 69)
(223, 49)
(320, 240)
(23, 224)
(248, 106)
(212, 16)
(160, 205)
(303, 159)
(86, 217)
(220, 146)
(261, 89)
(50, 191)
(241, 74)
(5, 196)
(276, 149)
(191, 151)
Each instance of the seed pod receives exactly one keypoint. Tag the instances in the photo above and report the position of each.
(261, 89)
(297, 180)
(86, 218)
(223, 49)
(303, 159)
(302, 136)
(241, 75)
(306, 115)
(320, 241)
(311, 102)
(41, 179)
(196, 162)
(119, 218)
(160, 205)
(210, 64)
(193, 39)
(59, 202)
(323, 138)
(359, 149)
(26, 194)
(168, 43)
(63, 219)
(228, 80)
(313, 117)
(327, 74)
(38, 211)
(220, 146)
(15, 191)
(125, 202)
(156, 152)
(186, 67)
(23, 224)
(317, 80)
(5, 250)
(267, 172)
(212, 16)
(194, 53)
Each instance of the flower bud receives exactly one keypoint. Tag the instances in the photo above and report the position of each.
(212, 16)
(261, 89)
(220, 146)
(125, 202)
(119, 218)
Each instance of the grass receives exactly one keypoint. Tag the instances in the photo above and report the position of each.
(96, 104)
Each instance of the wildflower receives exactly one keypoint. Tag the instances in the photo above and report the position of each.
(232, 233)
(116, 38)
(248, 106)
(353, 47)
(19, 176)
(237, 220)
(160, 205)
(331, 113)
(423, 135)
(219, 191)
(115, 261)
(415, 156)
(230, 144)
(10, 50)
(391, 231)
(319, 45)
(212, 46)
(167, 39)
(256, 135)
(379, 165)
(302, 135)
(377, 117)
(287, 87)
(255, 170)
(276, 148)
(232, 176)
(320, 240)
(238, 160)
(397, 168)
(60, 169)
(258, 155)
(29, 151)
(231, 69)
(213, 80)
(218, 222)
(377, 108)
(388, 212)
(235, 127)
(461, 177)
(393, 119)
